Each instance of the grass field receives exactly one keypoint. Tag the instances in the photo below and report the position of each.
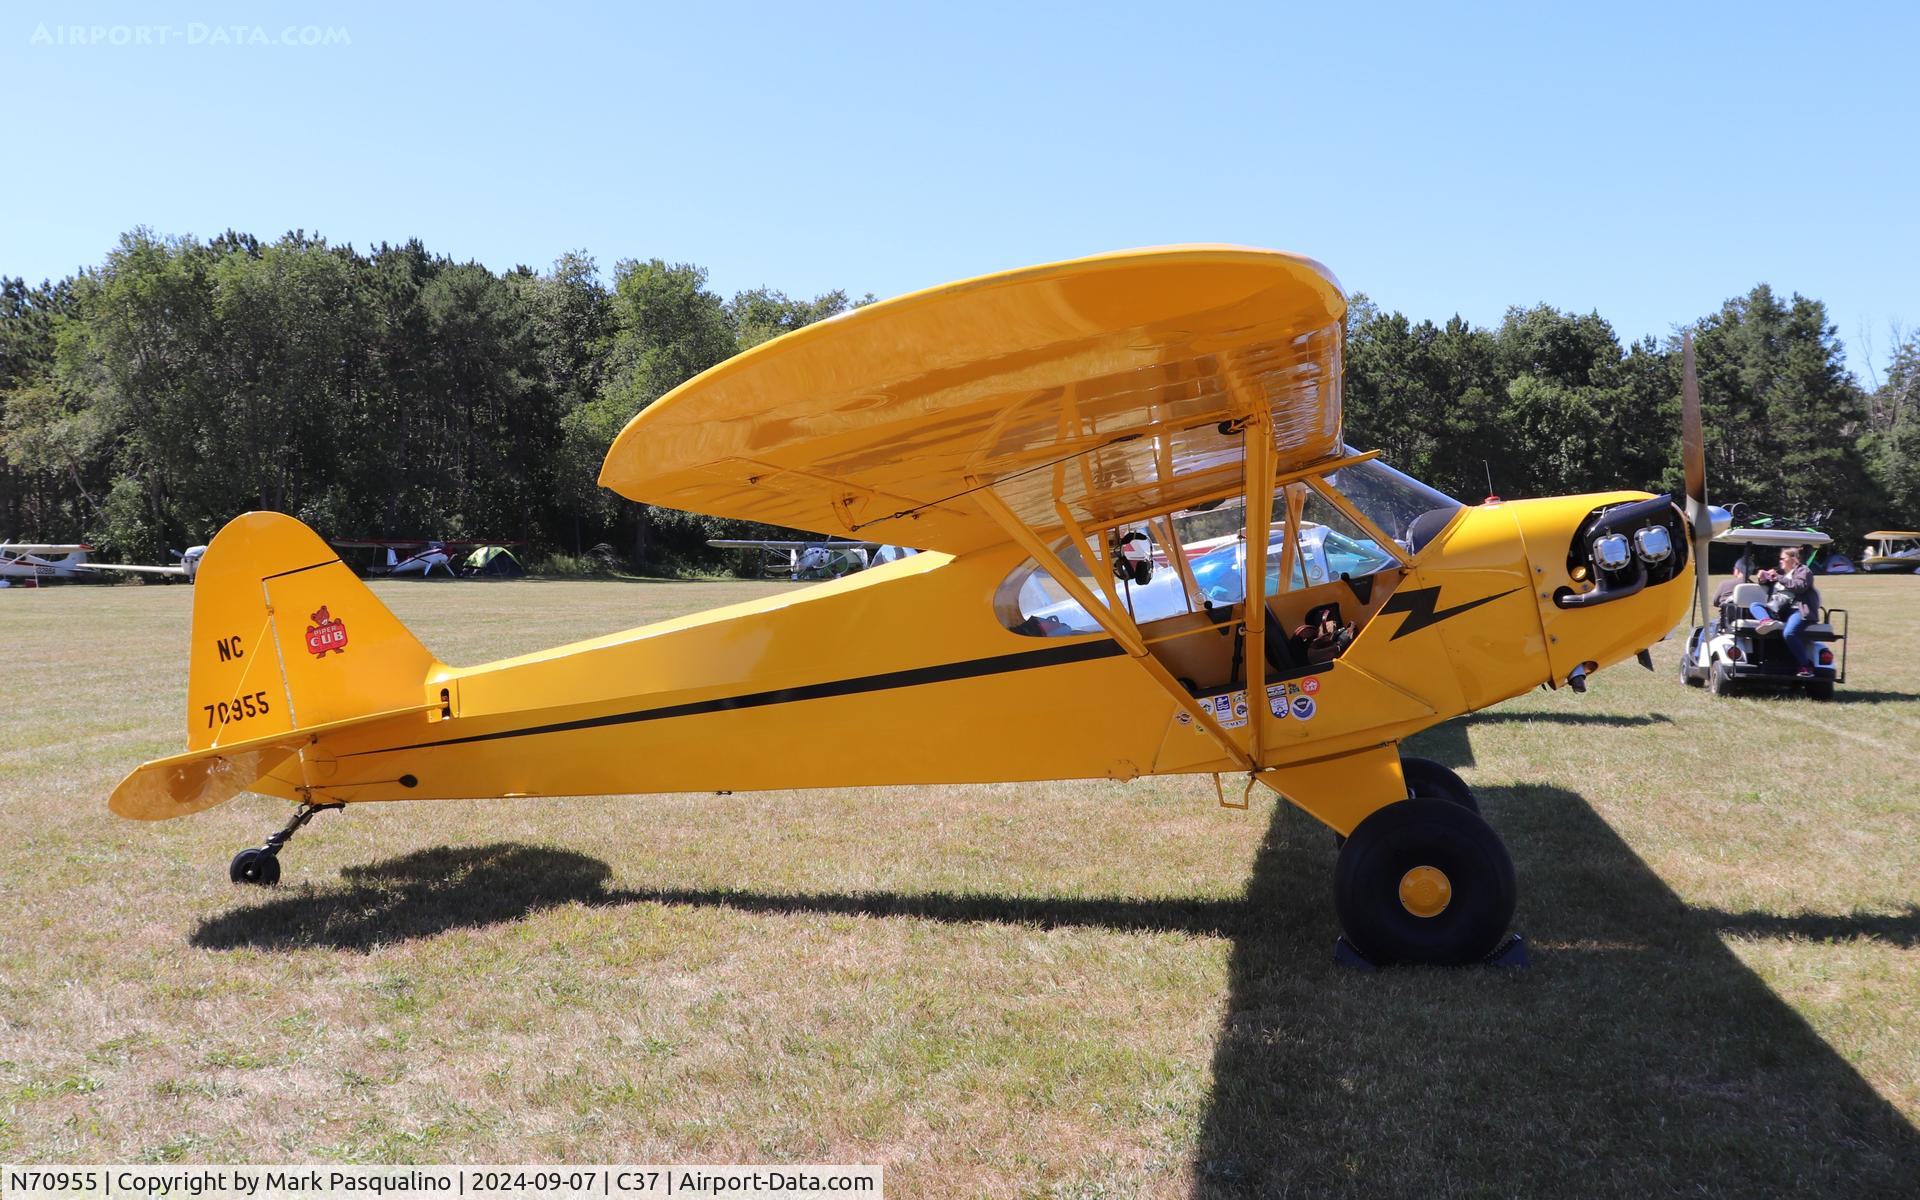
(1074, 990)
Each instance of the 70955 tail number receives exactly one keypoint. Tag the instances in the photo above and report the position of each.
(239, 708)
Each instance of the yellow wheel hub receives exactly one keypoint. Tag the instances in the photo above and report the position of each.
(1425, 891)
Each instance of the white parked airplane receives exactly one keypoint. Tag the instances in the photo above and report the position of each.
(21, 562)
(24, 561)
(186, 568)
(422, 561)
(417, 556)
(819, 559)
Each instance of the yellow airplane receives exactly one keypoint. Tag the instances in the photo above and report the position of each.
(1892, 550)
(1074, 446)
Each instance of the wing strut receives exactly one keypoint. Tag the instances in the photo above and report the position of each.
(1259, 457)
(1111, 619)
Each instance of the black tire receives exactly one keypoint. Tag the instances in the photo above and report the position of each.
(1408, 843)
(1426, 777)
(1718, 681)
(1820, 689)
(1689, 654)
(256, 867)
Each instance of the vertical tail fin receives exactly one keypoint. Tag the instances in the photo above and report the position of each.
(280, 621)
(286, 639)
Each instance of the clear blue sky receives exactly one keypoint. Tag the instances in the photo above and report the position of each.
(1647, 162)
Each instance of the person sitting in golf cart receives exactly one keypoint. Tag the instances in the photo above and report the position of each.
(1794, 598)
(1727, 589)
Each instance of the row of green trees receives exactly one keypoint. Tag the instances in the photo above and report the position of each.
(399, 393)
(1550, 402)
(394, 393)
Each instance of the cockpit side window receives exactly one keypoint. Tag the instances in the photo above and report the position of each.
(1030, 601)
(1196, 559)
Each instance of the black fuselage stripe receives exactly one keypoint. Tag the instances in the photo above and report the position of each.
(1026, 660)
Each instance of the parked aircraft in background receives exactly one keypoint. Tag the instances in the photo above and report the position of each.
(186, 568)
(21, 562)
(817, 559)
(415, 556)
(31, 563)
(1892, 550)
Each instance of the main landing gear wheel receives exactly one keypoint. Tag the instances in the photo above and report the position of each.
(1424, 882)
(256, 866)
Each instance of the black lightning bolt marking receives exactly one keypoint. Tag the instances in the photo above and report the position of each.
(1418, 604)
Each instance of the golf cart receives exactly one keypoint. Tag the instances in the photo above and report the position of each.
(1736, 650)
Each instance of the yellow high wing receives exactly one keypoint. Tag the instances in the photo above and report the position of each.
(1132, 372)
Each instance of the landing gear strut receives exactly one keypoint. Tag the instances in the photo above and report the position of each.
(261, 865)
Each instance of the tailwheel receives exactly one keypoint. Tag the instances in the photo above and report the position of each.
(1424, 881)
(255, 866)
(261, 864)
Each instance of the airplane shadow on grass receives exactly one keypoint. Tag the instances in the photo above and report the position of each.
(1448, 743)
(1638, 1056)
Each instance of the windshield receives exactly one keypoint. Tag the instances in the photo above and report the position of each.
(1407, 510)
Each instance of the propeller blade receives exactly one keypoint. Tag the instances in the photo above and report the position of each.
(1693, 444)
(1693, 448)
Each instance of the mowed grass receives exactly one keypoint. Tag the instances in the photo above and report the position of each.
(1074, 989)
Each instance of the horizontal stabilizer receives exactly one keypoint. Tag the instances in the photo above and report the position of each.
(202, 779)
